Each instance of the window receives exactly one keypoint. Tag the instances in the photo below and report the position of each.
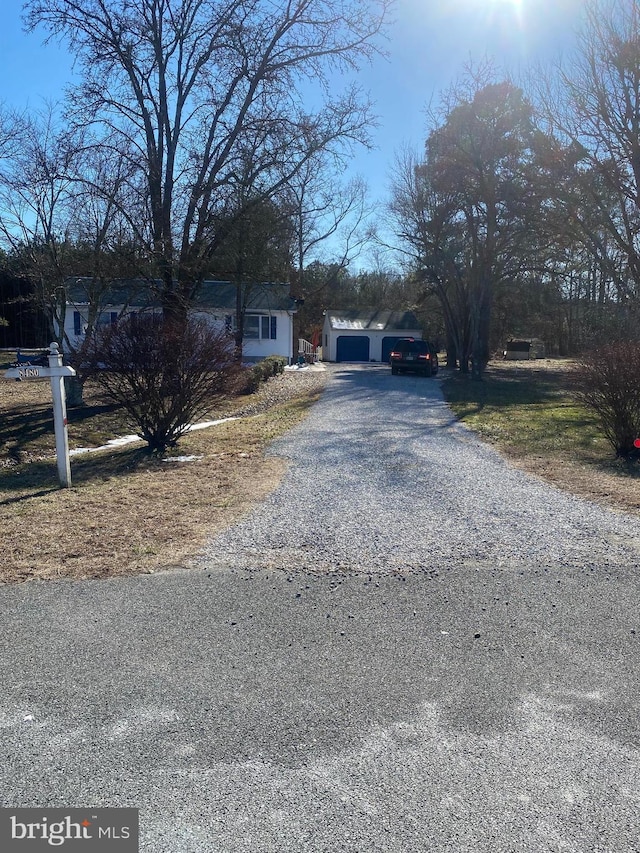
(107, 318)
(260, 327)
(77, 323)
(252, 327)
(269, 328)
(410, 345)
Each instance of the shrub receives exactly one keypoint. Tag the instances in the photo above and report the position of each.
(273, 365)
(262, 371)
(251, 379)
(166, 374)
(608, 383)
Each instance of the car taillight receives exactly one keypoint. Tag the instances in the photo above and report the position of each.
(395, 355)
(426, 357)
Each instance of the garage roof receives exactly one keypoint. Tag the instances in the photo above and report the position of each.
(372, 319)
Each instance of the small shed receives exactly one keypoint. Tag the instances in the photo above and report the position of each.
(517, 350)
(365, 334)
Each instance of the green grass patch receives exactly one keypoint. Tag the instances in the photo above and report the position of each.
(528, 411)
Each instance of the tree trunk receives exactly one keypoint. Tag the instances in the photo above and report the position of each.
(452, 355)
(74, 389)
(476, 369)
(240, 312)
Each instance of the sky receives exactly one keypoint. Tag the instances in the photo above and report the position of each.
(429, 43)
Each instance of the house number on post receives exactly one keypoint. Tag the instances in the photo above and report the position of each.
(29, 372)
(56, 372)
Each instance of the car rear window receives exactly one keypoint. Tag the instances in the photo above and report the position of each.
(411, 346)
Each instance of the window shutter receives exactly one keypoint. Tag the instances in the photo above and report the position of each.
(77, 326)
(274, 328)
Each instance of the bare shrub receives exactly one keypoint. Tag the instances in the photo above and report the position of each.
(166, 374)
(608, 383)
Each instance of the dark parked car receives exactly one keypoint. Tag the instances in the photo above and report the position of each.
(414, 355)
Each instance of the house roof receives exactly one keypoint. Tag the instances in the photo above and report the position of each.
(211, 296)
(266, 296)
(134, 293)
(372, 319)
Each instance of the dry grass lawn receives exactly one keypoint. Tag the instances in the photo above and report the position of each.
(127, 512)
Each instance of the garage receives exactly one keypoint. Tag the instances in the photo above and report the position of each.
(387, 346)
(352, 348)
(365, 334)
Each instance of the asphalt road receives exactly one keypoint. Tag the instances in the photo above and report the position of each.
(409, 647)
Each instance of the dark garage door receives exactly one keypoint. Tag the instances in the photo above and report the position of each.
(387, 346)
(352, 348)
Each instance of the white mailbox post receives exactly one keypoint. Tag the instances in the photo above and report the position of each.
(56, 371)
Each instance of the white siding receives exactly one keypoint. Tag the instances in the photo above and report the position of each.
(253, 349)
(330, 338)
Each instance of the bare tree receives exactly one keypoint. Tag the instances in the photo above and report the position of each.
(35, 193)
(10, 131)
(331, 225)
(11, 128)
(62, 221)
(326, 215)
(592, 104)
(253, 247)
(431, 244)
(180, 88)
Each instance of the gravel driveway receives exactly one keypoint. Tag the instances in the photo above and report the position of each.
(385, 480)
(409, 647)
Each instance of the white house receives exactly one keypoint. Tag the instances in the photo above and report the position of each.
(268, 321)
(365, 334)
